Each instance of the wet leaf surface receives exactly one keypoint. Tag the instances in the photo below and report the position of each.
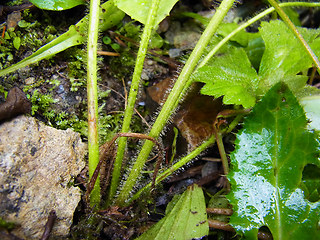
(271, 151)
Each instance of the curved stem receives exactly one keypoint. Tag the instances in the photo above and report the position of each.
(167, 109)
(133, 95)
(92, 95)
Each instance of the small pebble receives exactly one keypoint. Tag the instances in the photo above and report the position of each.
(29, 80)
(174, 52)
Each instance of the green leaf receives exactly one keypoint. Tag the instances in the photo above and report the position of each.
(284, 57)
(186, 220)
(230, 75)
(271, 152)
(57, 5)
(139, 9)
(17, 42)
(110, 16)
(226, 28)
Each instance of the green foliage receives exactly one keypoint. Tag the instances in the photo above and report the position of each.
(237, 81)
(57, 5)
(187, 219)
(110, 16)
(232, 76)
(271, 151)
(22, 39)
(139, 9)
(40, 102)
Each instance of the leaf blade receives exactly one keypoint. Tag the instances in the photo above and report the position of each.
(231, 76)
(187, 219)
(139, 9)
(271, 151)
(57, 5)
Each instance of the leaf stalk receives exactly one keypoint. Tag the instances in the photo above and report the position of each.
(133, 95)
(92, 95)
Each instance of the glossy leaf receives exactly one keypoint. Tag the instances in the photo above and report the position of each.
(139, 9)
(232, 76)
(186, 220)
(271, 152)
(57, 5)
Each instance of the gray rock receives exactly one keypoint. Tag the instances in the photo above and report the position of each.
(36, 164)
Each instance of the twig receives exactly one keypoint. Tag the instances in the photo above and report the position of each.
(220, 211)
(105, 53)
(220, 225)
(49, 225)
(227, 227)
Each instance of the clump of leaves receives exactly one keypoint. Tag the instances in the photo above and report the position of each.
(232, 75)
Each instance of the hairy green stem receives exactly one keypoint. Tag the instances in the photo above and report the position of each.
(168, 107)
(92, 95)
(295, 31)
(223, 155)
(248, 23)
(133, 95)
(176, 166)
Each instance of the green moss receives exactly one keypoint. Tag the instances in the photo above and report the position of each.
(76, 60)
(15, 2)
(26, 37)
(6, 225)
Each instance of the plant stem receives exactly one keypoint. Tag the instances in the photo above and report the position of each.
(92, 95)
(176, 166)
(167, 109)
(133, 95)
(223, 155)
(295, 31)
(248, 23)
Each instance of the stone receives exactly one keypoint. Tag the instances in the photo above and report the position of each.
(37, 165)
